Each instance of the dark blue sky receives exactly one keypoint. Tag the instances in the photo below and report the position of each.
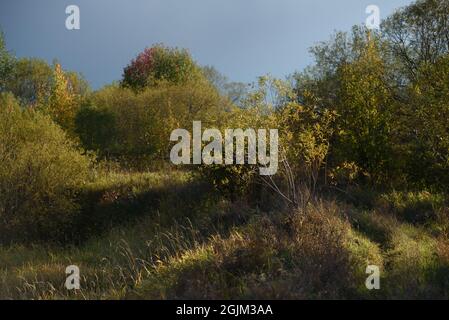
(241, 38)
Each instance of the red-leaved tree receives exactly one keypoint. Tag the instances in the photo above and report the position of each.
(136, 74)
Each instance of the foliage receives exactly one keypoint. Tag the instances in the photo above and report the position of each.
(40, 173)
(62, 102)
(417, 34)
(96, 128)
(144, 120)
(427, 130)
(160, 64)
(6, 64)
(31, 81)
(364, 107)
(257, 109)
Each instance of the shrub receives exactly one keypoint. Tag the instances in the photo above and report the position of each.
(96, 128)
(144, 120)
(230, 180)
(257, 113)
(40, 171)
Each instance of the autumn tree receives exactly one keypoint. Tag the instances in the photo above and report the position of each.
(62, 102)
(160, 64)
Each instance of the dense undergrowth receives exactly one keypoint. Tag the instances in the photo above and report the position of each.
(186, 242)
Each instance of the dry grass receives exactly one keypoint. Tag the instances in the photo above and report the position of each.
(190, 244)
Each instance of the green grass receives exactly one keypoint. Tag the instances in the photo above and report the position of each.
(162, 235)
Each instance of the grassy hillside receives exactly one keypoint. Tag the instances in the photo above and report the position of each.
(163, 235)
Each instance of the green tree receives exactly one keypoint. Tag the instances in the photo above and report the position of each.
(97, 129)
(418, 34)
(160, 64)
(365, 107)
(427, 129)
(31, 81)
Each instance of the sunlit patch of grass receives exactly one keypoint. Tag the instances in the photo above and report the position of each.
(413, 264)
(363, 253)
(414, 207)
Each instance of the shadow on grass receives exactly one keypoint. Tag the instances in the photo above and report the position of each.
(102, 210)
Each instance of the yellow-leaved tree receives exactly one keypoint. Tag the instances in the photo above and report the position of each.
(62, 103)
